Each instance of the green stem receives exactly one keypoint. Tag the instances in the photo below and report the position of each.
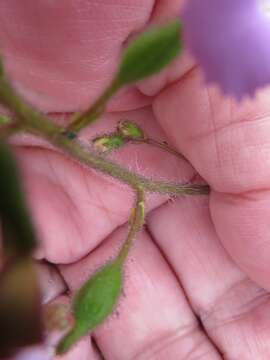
(91, 114)
(36, 123)
(160, 145)
(136, 223)
(84, 155)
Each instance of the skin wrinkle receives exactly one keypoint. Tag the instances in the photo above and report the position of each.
(73, 209)
(73, 217)
(202, 353)
(108, 212)
(162, 343)
(212, 119)
(220, 129)
(72, 212)
(248, 195)
(210, 315)
(64, 189)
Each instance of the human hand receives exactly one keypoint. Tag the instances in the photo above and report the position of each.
(185, 295)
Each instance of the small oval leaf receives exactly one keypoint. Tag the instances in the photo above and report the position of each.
(150, 52)
(94, 303)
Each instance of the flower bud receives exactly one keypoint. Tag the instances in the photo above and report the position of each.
(94, 303)
(150, 52)
(108, 143)
(130, 130)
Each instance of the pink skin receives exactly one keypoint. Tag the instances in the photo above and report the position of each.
(61, 56)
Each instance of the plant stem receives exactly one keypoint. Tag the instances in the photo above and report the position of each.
(160, 145)
(91, 114)
(38, 124)
(84, 155)
(136, 223)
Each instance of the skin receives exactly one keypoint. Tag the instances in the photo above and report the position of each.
(197, 279)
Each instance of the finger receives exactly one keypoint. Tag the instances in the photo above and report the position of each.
(75, 208)
(229, 146)
(62, 55)
(229, 305)
(51, 283)
(152, 319)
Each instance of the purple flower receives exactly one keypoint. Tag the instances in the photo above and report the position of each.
(231, 41)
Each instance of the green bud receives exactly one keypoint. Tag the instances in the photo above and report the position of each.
(20, 306)
(94, 303)
(107, 143)
(150, 53)
(129, 129)
(19, 234)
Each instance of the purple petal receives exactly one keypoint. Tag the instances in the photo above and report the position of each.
(231, 41)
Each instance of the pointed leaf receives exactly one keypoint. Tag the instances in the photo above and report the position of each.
(94, 303)
(150, 53)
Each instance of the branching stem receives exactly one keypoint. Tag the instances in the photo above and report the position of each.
(161, 145)
(32, 121)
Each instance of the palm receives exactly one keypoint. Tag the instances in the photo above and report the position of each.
(184, 296)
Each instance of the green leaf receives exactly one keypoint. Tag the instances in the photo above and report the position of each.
(94, 303)
(19, 234)
(150, 53)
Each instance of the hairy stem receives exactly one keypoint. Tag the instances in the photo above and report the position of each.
(160, 145)
(36, 123)
(136, 223)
